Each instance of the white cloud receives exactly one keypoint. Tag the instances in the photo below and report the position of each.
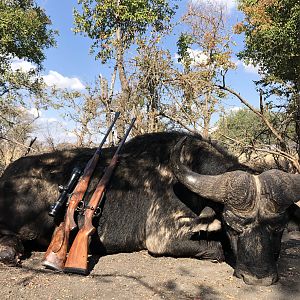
(60, 81)
(234, 109)
(197, 56)
(230, 4)
(249, 68)
(40, 115)
(22, 65)
(53, 77)
(34, 112)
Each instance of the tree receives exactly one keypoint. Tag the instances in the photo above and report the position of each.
(24, 30)
(264, 130)
(152, 69)
(89, 112)
(14, 139)
(115, 25)
(271, 29)
(109, 23)
(245, 130)
(24, 34)
(243, 126)
(202, 66)
(248, 136)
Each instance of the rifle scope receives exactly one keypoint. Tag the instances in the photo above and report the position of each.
(65, 191)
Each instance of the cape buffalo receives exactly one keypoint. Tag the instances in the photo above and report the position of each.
(168, 195)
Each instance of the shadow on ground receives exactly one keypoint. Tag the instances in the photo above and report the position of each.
(139, 275)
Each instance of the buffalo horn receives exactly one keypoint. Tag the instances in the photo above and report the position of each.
(230, 187)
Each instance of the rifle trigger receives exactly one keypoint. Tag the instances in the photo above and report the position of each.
(80, 206)
(97, 212)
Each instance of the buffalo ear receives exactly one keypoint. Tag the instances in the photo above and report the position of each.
(215, 225)
(207, 221)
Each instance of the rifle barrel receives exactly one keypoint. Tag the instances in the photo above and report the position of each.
(117, 114)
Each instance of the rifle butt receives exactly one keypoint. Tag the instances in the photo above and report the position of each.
(77, 260)
(56, 253)
(53, 262)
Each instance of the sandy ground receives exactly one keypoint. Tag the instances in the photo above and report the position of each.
(140, 276)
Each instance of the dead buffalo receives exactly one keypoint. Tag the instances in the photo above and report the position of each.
(168, 195)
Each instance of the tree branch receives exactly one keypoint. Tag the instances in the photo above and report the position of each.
(18, 143)
(161, 113)
(258, 113)
(274, 151)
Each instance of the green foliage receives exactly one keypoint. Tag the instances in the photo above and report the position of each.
(100, 19)
(24, 34)
(243, 129)
(184, 42)
(24, 31)
(244, 126)
(272, 35)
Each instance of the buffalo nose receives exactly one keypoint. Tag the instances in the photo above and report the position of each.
(253, 280)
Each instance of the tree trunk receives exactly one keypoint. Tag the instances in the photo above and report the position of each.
(297, 118)
(206, 115)
(106, 100)
(125, 95)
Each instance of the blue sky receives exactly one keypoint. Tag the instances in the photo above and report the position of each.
(70, 64)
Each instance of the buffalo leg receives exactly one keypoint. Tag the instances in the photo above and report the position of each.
(190, 244)
(203, 249)
(210, 250)
(11, 249)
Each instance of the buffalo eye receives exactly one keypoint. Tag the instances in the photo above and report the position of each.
(275, 228)
(234, 228)
(233, 222)
(276, 224)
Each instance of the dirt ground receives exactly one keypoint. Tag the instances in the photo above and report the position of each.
(140, 276)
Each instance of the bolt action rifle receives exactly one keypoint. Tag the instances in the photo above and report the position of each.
(56, 253)
(77, 261)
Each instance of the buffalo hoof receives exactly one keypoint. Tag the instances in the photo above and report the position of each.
(11, 249)
(253, 280)
(212, 250)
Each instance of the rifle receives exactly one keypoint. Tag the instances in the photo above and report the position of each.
(56, 253)
(77, 261)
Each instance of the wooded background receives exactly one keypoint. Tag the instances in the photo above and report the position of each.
(147, 83)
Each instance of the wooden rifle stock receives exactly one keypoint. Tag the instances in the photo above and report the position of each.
(56, 253)
(77, 261)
